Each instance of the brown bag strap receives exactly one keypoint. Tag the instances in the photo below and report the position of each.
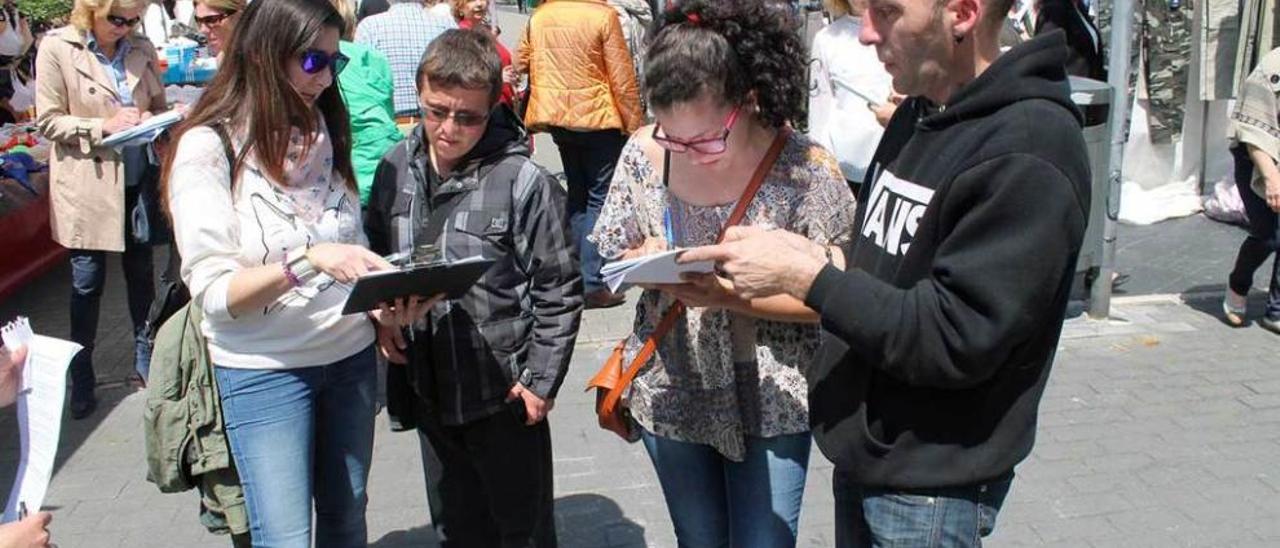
(677, 309)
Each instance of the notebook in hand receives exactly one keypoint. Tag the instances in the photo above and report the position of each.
(452, 279)
(659, 268)
(146, 131)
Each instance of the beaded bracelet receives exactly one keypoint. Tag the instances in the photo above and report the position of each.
(294, 280)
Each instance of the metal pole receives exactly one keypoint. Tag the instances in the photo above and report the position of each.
(1118, 77)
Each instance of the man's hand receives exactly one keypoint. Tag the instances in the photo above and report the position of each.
(404, 312)
(763, 263)
(1273, 194)
(29, 532)
(535, 408)
(391, 344)
(11, 364)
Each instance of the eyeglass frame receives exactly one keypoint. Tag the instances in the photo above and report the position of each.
(212, 20)
(334, 62)
(122, 23)
(680, 147)
(480, 120)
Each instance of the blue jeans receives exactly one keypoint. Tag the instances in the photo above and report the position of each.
(299, 434)
(715, 502)
(88, 278)
(589, 158)
(946, 517)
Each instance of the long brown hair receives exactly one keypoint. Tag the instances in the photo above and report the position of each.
(251, 94)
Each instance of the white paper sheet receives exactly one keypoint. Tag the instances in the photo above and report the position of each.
(40, 400)
(659, 268)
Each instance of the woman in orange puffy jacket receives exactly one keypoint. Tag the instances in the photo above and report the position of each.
(583, 91)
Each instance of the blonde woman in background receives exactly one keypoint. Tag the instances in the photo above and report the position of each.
(97, 77)
(216, 19)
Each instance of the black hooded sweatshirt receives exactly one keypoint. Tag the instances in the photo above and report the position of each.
(938, 339)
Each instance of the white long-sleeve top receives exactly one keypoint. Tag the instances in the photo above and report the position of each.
(838, 118)
(220, 232)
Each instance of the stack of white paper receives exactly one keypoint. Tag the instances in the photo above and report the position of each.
(44, 386)
(659, 268)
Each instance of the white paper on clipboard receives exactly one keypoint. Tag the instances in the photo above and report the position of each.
(40, 400)
(861, 94)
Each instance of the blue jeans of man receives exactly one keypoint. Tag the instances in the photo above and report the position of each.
(299, 435)
(1263, 240)
(589, 158)
(951, 517)
(715, 502)
(88, 278)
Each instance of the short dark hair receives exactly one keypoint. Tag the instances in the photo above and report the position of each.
(997, 11)
(729, 50)
(462, 59)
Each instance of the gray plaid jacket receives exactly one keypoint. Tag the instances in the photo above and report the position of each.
(520, 321)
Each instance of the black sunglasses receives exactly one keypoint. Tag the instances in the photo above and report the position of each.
(314, 60)
(211, 20)
(121, 22)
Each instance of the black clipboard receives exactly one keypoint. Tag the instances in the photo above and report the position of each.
(452, 279)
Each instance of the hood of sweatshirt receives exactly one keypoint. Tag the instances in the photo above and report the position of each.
(1032, 70)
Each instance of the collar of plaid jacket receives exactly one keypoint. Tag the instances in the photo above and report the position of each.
(504, 135)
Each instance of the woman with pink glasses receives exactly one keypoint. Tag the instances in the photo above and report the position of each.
(722, 406)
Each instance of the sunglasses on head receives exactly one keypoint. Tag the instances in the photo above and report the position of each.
(314, 61)
(121, 22)
(213, 20)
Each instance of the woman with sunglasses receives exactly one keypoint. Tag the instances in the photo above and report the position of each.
(98, 77)
(216, 19)
(722, 406)
(267, 219)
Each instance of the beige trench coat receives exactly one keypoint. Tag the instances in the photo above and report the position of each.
(74, 98)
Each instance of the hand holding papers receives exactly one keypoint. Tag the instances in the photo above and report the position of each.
(40, 400)
(144, 132)
(659, 268)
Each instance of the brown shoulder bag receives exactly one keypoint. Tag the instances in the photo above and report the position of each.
(612, 381)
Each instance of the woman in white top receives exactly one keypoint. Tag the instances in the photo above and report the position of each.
(848, 86)
(267, 221)
(162, 16)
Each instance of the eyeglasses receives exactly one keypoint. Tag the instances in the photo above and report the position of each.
(461, 117)
(715, 145)
(314, 61)
(213, 20)
(121, 22)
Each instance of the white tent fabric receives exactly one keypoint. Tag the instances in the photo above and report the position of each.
(1162, 181)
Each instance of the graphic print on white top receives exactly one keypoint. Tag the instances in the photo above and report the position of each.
(895, 210)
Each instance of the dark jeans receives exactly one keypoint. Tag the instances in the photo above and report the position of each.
(589, 158)
(489, 482)
(1263, 240)
(954, 517)
(88, 277)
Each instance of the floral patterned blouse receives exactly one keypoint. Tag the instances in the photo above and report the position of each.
(718, 376)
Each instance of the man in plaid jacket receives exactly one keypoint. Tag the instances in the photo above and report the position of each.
(482, 371)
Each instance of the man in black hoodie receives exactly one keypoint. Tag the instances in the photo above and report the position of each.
(940, 332)
(482, 373)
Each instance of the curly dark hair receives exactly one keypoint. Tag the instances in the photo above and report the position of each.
(730, 49)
